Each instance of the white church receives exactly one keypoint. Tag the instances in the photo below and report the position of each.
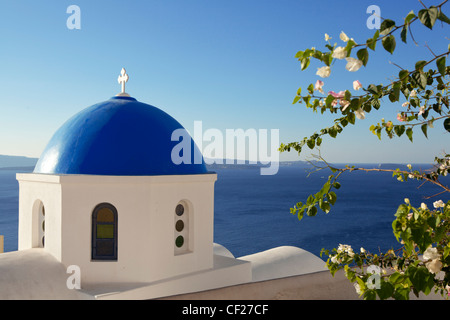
(106, 214)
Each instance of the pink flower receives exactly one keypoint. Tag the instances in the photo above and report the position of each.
(357, 85)
(319, 85)
(401, 117)
(339, 95)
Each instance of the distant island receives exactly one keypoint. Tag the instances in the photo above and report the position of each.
(16, 161)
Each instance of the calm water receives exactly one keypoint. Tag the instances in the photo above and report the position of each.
(252, 211)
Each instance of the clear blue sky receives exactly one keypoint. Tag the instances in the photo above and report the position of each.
(229, 64)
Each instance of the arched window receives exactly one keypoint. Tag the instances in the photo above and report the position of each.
(104, 232)
(182, 217)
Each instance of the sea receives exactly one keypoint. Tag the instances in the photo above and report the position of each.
(252, 211)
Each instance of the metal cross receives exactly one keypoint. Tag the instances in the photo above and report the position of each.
(122, 79)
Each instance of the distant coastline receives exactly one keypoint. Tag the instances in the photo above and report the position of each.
(25, 163)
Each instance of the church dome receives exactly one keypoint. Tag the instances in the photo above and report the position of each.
(120, 136)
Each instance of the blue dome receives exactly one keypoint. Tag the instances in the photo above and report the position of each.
(120, 137)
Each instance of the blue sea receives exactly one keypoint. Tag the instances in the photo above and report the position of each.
(252, 210)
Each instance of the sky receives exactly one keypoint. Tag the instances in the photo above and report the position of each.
(229, 64)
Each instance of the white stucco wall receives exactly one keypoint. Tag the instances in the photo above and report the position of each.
(146, 222)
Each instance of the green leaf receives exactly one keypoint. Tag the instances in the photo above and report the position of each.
(325, 206)
(363, 55)
(420, 64)
(424, 129)
(447, 124)
(421, 279)
(332, 132)
(389, 43)
(409, 17)
(440, 63)
(332, 197)
(401, 294)
(372, 89)
(311, 88)
(311, 211)
(351, 118)
(428, 16)
(403, 76)
(370, 295)
(371, 43)
(419, 79)
(395, 93)
(329, 100)
(305, 63)
(311, 143)
(443, 17)
(386, 290)
(399, 130)
(404, 33)
(386, 26)
(318, 141)
(409, 133)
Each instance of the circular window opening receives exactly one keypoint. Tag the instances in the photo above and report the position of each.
(179, 241)
(179, 210)
(179, 226)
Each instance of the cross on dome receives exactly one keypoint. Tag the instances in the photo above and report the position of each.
(122, 79)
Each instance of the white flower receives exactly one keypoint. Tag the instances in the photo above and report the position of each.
(353, 64)
(339, 53)
(343, 36)
(357, 288)
(344, 248)
(324, 72)
(334, 259)
(360, 114)
(344, 104)
(434, 266)
(327, 37)
(405, 104)
(431, 254)
(413, 94)
(423, 206)
(421, 110)
(439, 204)
(357, 85)
(409, 166)
(362, 250)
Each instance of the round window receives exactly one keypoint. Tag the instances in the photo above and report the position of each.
(179, 210)
(179, 226)
(179, 241)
